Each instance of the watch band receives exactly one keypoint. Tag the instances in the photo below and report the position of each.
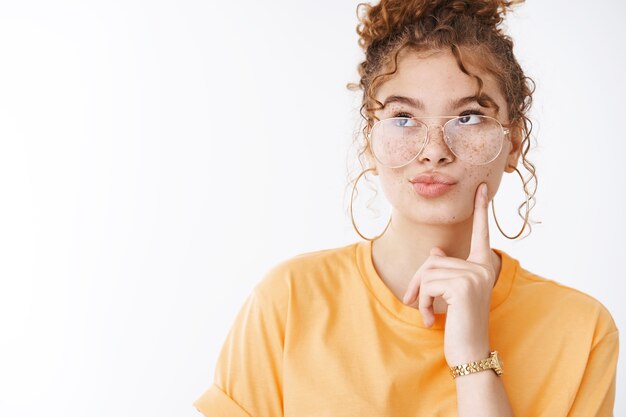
(492, 362)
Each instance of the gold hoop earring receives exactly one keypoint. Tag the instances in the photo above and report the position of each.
(351, 213)
(527, 205)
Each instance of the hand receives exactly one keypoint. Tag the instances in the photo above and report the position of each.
(465, 285)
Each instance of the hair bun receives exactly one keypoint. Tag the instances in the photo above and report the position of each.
(389, 17)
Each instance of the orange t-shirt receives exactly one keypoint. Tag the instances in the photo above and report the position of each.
(322, 335)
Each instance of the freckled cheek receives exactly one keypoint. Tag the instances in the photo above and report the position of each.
(490, 174)
(395, 186)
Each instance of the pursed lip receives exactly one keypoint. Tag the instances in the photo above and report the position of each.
(433, 178)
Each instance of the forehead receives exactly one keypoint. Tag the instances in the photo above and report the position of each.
(436, 80)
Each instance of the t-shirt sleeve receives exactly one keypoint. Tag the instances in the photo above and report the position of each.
(248, 374)
(596, 393)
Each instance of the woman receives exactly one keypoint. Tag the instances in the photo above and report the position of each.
(419, 320)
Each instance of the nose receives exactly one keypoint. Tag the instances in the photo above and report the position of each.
(436, 151)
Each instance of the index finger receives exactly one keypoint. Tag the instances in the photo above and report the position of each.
(480, 249)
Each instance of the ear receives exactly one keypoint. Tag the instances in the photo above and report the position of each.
(516, 134)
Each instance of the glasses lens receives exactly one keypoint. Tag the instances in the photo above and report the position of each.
(474, 138)
(396, 141)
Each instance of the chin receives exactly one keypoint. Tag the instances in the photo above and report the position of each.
(445, 215)
(441, 220)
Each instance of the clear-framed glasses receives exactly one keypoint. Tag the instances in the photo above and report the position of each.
(473, 138)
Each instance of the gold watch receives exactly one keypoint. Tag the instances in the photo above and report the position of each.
(492, 362)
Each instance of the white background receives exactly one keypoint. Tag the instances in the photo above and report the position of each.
(157, 157)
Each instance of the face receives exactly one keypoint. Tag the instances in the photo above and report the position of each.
(435, 83)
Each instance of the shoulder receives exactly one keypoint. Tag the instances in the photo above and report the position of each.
(554, 298)
(308, 272)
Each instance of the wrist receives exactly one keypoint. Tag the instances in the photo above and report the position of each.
(491, 362)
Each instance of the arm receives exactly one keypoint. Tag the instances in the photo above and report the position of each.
(488, 388)
(596, 394)
(248, 374)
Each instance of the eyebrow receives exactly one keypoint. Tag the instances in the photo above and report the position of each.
(454, 104)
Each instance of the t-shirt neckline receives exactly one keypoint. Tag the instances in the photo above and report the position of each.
(411, 315)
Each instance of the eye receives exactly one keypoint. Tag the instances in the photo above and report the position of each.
(402, 119)
(471, 118)
(403, 122)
